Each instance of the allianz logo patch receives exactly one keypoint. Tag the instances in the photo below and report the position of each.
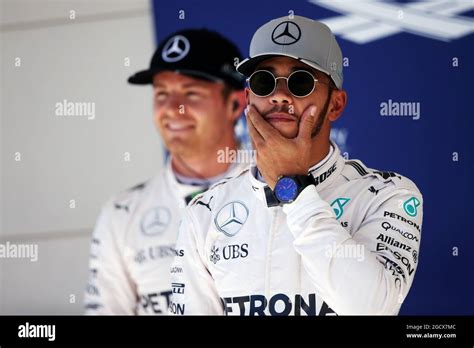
(365, 21)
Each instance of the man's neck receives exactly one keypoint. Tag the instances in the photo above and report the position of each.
(202, 166)
(319, 151)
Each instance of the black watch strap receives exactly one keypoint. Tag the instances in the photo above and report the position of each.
(303, 182)
(272, 201)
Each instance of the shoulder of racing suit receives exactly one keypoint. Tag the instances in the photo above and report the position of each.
(126, 201)
(378, 193)
(121, 207)
(218, 188)
(356, 170)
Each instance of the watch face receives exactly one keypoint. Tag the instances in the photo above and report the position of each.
(286, 190)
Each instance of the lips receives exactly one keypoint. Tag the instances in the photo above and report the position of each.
(178, 127)
(280, 117)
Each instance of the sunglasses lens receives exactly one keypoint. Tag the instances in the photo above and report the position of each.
(262, 83)
(301, 83)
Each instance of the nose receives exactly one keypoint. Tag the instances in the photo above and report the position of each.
(173, 107)
(281, 94)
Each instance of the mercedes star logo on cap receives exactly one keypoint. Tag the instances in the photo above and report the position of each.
(231, 218)
(286, 33)
(175, 49)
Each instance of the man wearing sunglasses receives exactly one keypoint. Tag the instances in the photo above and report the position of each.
(198, 97)
(304, 231)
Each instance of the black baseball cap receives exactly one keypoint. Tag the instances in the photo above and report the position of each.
(199, 53)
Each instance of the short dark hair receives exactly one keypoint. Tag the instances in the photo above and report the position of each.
(332, 85)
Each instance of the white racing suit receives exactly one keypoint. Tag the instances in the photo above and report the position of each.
(133, 246)
(346, 246)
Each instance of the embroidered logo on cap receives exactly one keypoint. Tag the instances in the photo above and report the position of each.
(175, 49)
(286, 33)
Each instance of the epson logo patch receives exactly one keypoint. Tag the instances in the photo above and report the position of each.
(177, 308)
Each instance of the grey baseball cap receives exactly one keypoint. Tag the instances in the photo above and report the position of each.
(297, 37)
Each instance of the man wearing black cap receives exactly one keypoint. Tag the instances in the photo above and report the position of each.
(198, 97)
(304, 231)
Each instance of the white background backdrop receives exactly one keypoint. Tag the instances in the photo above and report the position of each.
(66, 158)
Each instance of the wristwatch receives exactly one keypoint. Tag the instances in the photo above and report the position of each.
(287, 189)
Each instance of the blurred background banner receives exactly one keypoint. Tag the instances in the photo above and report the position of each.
(408, 72)
(408, 67)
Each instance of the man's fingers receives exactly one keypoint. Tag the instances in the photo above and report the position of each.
(257, 139)
(262, 126)
(307, 122)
